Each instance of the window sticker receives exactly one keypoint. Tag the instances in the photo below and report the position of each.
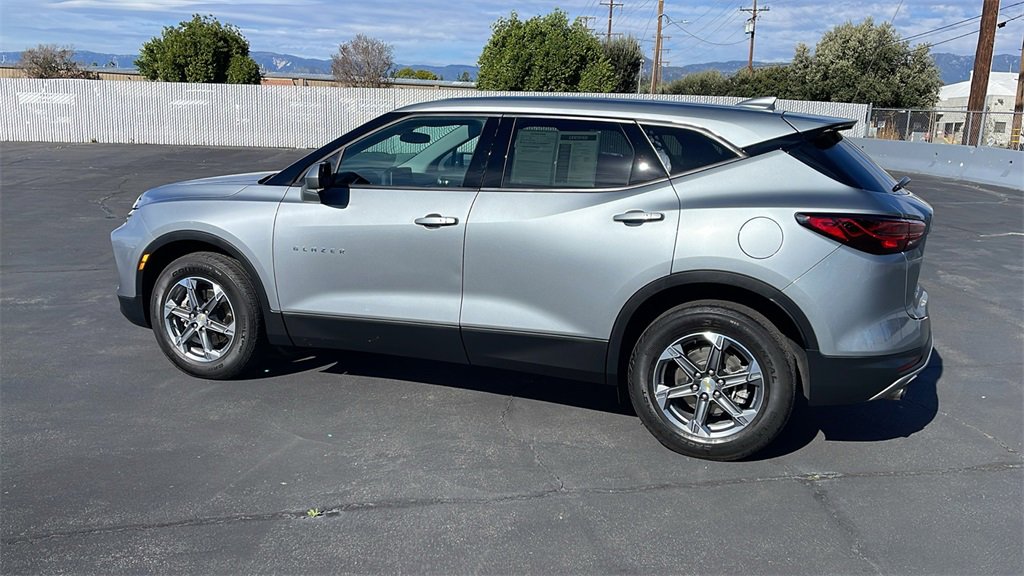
(576, 166)
(534, 160)
(560, 159)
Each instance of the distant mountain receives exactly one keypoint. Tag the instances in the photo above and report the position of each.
(288, 64)
(83, 57)
(670, 73)
(953, 68)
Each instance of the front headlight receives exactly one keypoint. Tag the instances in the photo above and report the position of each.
(135, 207)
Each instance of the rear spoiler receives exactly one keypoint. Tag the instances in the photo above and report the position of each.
(797, 121)
(823, 130)
(811, 123)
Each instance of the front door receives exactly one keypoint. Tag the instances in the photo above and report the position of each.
(376, 264)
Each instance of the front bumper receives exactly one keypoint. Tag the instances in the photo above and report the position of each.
(850, 379)
(133, 310)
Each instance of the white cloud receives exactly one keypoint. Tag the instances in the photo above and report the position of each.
(454, 31)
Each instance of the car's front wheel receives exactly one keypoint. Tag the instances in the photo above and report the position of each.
(712, 380)
(206, 315)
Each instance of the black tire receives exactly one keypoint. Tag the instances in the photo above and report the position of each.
(656, 373)
(235, 353)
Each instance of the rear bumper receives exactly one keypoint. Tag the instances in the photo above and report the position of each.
(133, 310)
(849, 380)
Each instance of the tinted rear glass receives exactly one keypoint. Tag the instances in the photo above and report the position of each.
(841, 160)
(683, 150)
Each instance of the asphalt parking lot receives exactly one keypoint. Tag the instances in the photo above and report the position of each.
(113, 461)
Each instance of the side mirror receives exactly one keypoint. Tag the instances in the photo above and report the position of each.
(320, 178)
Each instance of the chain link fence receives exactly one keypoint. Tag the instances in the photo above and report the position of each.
(947, 126)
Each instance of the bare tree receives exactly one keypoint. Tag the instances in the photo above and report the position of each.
(52, 61)
(363, 62)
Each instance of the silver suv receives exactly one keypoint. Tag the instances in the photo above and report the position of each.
(716, 262)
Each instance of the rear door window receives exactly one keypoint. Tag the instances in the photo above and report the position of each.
(683, 150)
(574, 154)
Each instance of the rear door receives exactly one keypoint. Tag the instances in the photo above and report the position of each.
(575, 216)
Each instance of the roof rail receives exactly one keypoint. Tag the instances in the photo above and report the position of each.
(762, 103)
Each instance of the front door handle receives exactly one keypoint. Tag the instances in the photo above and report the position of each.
(436, 221)
(635, 217)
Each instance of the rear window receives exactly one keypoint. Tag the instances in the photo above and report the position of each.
(841, 160)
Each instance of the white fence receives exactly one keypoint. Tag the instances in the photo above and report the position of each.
(35, 110)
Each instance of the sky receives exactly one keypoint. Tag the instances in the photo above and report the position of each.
(439, 32)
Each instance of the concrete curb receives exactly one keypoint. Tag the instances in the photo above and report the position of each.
(995, 166)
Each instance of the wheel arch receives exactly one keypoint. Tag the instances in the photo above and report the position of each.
(665, 293)
(173, 245)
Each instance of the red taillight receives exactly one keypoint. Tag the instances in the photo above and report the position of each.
(872, 234)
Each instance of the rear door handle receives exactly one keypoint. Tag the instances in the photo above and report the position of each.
(633, 217)
(436, 221)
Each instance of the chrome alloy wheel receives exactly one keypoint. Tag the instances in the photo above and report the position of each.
(708, 385)
(199, 319)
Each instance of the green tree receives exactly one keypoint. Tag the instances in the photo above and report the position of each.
(544, 54)
(199, 50)
(464, 77)
(52, 61)
(408, 72)
(705, 83)
(626, 58)
(766, 81)
(868, 64)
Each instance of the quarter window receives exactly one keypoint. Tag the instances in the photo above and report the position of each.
(558, 153)
(427, 151)
(684, 150)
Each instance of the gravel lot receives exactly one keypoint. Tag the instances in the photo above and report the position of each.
(113, 461)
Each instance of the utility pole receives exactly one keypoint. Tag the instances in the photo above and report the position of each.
(611, 4)
(586, 21)
(751, 29)
(1018, 105)
(982, 67)
(656, 61)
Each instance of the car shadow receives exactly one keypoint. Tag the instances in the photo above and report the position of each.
(867, 422)
(490, 380)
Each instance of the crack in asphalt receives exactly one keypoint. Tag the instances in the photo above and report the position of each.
(533, 449)
(857, 544)
(964, 423)
(102, 202)
(809, 479)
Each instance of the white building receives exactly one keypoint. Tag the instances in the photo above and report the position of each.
(997, 119)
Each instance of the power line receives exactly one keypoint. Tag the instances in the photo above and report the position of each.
(694, 36)
(728, 10)
(972, 32)
(702, 48)
(957, 24)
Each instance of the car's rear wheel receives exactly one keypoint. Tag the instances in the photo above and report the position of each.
(712, 380)
(206, 315)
